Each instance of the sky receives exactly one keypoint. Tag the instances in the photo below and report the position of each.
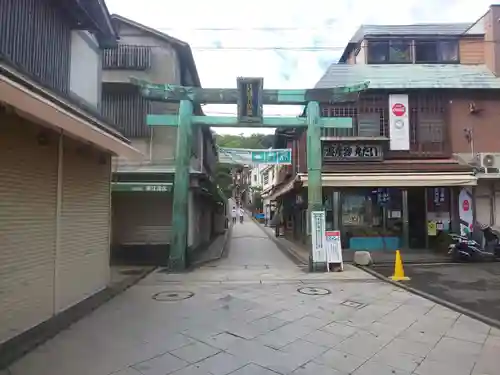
(288, 43)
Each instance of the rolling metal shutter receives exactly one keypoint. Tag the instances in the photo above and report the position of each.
(28, 186)
(141, 218)
(83, 253)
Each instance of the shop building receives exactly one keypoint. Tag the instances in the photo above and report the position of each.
(55, 164)
(394, 180)
(143, 192)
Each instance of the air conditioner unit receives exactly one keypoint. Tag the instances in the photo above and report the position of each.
(489, 163)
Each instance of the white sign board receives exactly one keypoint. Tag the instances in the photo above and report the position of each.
(333, 249)
(318, 236)
(399, 122)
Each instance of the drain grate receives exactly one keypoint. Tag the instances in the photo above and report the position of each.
(353, 304)
(312, 291)
(169, 296)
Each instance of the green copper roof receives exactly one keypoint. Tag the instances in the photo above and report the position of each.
(410, 76)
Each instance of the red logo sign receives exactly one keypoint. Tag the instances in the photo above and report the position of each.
(466, 205)
(398, 109)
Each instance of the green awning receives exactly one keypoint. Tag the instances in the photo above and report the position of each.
(153, 187)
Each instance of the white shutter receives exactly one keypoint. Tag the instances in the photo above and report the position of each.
(28, 185)
(85, 216)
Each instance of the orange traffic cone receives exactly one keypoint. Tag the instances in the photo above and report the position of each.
(399, 272)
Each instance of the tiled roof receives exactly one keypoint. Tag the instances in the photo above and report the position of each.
(410, 76)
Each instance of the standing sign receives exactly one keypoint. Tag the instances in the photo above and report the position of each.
(333, 249)
(318, 236)
(399, 122)
(465, 212)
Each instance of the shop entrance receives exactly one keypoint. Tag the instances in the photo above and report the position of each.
(371, 218)
(417, 221)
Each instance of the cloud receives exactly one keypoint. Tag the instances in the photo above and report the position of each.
(292, 24)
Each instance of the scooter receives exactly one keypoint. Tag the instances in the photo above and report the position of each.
(466, 249)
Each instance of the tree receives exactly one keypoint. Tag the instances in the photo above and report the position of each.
(224, 179)
(223, 175)
(254, 141)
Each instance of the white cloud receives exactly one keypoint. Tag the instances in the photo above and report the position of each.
(312, 23)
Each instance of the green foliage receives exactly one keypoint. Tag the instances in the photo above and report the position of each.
(254, 141)
(223, 171)
(224, 179)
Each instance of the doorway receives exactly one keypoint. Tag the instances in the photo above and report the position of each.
(417, 218)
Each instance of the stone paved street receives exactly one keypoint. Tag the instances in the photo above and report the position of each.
(246, 315)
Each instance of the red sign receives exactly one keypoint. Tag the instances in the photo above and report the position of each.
(466, 205)
(398, 109)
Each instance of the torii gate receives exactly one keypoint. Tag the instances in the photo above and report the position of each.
(250, 96)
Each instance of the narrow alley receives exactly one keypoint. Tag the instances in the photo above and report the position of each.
(256, 312)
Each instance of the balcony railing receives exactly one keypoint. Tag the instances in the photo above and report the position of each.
(127, 57)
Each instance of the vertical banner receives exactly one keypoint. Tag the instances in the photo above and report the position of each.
(399, 122)
(465, 212)
(318, 236)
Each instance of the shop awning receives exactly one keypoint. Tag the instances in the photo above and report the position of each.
(283, 189)
(34, 106)
(153, 187)
(395, 179)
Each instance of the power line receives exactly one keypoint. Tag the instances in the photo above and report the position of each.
(401, 49)
(291, 28)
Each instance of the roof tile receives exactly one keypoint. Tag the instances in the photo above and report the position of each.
(410, 76)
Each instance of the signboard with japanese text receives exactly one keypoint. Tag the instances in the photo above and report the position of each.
(254, 157)
(333, 248)
(152, 187)
(250, 99)
(318, 236)
(351, 152)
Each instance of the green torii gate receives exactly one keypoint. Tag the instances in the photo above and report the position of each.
(250, 97)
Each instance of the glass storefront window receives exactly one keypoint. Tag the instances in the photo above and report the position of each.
(371, 218)
(328, 206)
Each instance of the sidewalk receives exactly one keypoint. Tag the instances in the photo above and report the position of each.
(301, 252)
(255, 312)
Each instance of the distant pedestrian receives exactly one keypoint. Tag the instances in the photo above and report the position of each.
(234, 214)
(242, 213)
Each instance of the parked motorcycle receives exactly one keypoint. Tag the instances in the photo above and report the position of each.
(466, 249)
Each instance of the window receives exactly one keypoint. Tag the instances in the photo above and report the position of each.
(390, 51)
(378, 52)
(430, 130)
(431, 51)
(400, 51)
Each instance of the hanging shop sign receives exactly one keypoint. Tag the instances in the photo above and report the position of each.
(399, 122)
(351, 152)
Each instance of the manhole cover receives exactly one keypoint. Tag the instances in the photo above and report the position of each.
(172, 295)
(354, 304)
(131, 272)
(314, 291)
